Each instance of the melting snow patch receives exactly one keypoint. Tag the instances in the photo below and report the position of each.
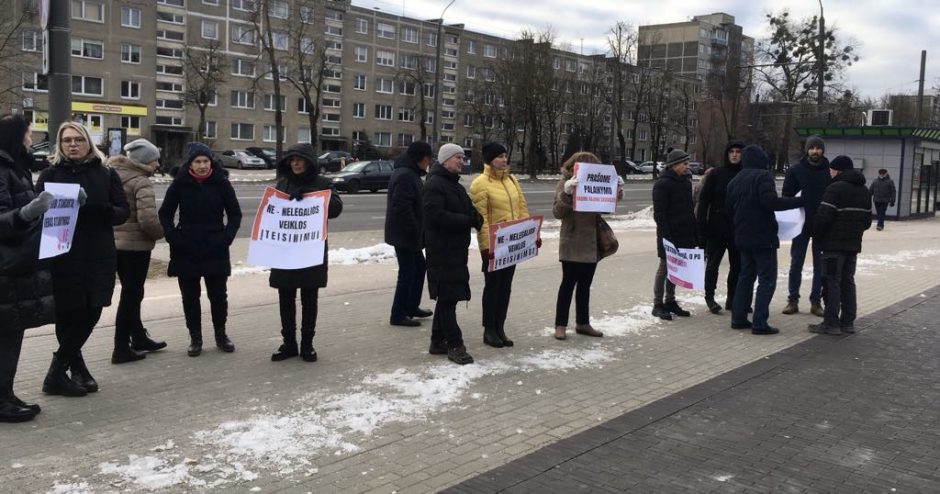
(79, 488)
(151, 473)
(642, 219)
(899, 259)
(723, 478)
(366, 255)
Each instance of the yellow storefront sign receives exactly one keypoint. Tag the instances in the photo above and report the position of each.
(139, 111)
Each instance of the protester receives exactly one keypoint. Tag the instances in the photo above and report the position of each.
(716, 226)
(497, 197)
(82, 278)
(842, 218)
(25, 281)
(675, 222)
(449, 217)
(298, 174)
(883, 193)
(199, 242)
(404, 231)
(134, 241)
(752, 196)
(577, 251)
(809, 178)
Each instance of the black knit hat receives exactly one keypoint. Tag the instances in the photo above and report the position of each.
(841, 163)
(676, 156)
(194, 149)
(492, 150)
(815, 141)
(418, 150)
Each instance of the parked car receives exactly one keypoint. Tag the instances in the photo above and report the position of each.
(333, 161)
(369, 175)
(237, 158)
(40, 156)
(660, 166)
(269, 155)
(647, 166)
(697, 168)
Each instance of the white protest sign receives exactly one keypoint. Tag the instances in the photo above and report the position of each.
(790, 223)
(58, 224)
(289, 234)
(597, 188)
(686, 266)
(512, 242)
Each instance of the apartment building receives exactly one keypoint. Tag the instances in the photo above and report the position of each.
(695, 48)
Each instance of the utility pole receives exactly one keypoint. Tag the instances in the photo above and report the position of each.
(821, 58)
(920, 89)
(60, 64)
(436, 126)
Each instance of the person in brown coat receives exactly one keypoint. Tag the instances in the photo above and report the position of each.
(134, 241)
(577, 252)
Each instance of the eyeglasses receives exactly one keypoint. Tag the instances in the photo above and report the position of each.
(74, 140)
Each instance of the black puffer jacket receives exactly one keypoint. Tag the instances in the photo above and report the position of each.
(673, 211)
(199, 243)
(752, 196)
(449, 216)
(84, 277)
(810, 179)
(296, 186)
(844, 213)
(25, 282)
(403, 216)
(883, 190)
(713, 215)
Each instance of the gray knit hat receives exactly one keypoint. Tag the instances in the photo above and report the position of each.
(448, 151)
(142, 151)
(815, 141)
(676, 156)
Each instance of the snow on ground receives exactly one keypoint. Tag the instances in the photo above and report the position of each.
(78, 488)
(366, 255)
(642, 219)
(629, 322)
(897, 260)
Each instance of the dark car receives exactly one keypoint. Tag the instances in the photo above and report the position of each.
(362, 175)
(697, 168)
(269, 155)
(41, 153)
(333, 161)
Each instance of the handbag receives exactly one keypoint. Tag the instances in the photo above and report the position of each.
(607, 243)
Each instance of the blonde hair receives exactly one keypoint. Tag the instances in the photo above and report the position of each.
(58, 155)
(579, 157)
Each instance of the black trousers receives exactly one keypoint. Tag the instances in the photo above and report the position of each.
(72, 329)
(497, 289)
(216, 289)
(444, 327)
(714, 251)
(411, 270)
(840, 293)
(132, 267)
(10, 345)
(578, 275)
(308, 311)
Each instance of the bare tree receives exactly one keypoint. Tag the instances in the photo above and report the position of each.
(414, 80)
(203, 71)
(272, 43)
(622, 43)
(729, 86)
(12, 62)
(591, 102)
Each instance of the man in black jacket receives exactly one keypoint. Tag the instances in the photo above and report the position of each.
(752, 196)
(843, 216)
(883, 193)
(716, 225)
(809, 177)
(404, 231)
(675, 222)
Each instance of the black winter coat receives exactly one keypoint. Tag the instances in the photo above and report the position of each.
(812, 181)
(674, 212)
(83, 278)
(296, 186)
(25, 282)
(404, 220)
(844, 214)
(199, 242)
(883, 190)
(449, 216)
(752, 196)
(713, 214)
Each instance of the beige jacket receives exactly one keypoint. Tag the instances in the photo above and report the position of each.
(142, 229)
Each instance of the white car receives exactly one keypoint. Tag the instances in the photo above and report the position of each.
(241, 159)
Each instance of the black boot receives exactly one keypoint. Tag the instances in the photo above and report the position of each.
(287, 349)
(491, 338)
(222, 341)
(712, 305)
(81, 376)
(307, 352)
(57, 382)
(12, 413)
(661, 312)
(32, 406)
(123, 353)
(501, 332)
(675, 309)
(195, 343)
(142, 342)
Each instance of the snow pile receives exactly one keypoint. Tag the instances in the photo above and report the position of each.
(642, 219)
(79, 488)
(366, 255)
(901, 259)
(151, 473)
(627, 323)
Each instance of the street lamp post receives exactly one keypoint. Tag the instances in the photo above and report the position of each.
(437, 76)
(60, 78)
(821, 74)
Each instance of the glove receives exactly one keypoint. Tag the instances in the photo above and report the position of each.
(538, 243)
(570, 184)
(620, 181)
(82, 196)
(37, 207)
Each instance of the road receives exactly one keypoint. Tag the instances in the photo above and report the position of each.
(366, 211)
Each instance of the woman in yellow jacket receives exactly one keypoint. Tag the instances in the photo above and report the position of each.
(497, 197)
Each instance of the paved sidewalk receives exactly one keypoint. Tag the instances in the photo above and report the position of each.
(831, 414)
(376, 413)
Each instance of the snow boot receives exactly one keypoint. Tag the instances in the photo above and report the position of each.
(712, 305)
(823, 328)
(560, 332)
(437, 348)
(459, 355)
(587, 330)
(675, 309)
(222, 341)
(307, 352)
(792, 308)
(767, 330)
(817, 310)
(288, 348)
(123, 353)
(660, 311)
(491, 338)
(81, 376)
(57, 382)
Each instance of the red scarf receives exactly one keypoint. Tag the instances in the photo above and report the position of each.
(199, 179)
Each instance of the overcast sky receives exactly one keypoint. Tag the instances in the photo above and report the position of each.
(890, 35)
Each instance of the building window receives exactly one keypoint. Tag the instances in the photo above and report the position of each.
(32, 41)
(88, 10)
(243, 99)
(407, 88)
(332, 88)
(642, 135)
(333, 15)
(269, 102)
(359, 136)
(409, 35)
(35, 82)
(306, 14)
(170, 35)
(175, 3)
(384, 85)
(409, 62)
(280, 40)
(334, 30)
(359, 82)
(429, 90)
(242, 67)
(167, 120)
(383, 112)
(362, 54)
(210, 131)
(130, 90)
(169, 104)
(214, 3)
(170, 17)
(471, 47)
(268, 134)
(210, 29)
(278, 9)
(431, 38)
(303, 134)
(405, 139)
(359, 110)
(169, 69)
(167, 52)
(243, 132)
(406, 115)
(132, 124)
(334, 45)
(87, 85)
(383, 139)
(489, 51)
(329, 131)
(169, 87)
(332, 117)
(430, 65)
(362, 26)
(386, 31)
(130, 17)
(332, 103)
(385, 58)
(84, 48)
(243, 4)
(471, 72)
(243, 34)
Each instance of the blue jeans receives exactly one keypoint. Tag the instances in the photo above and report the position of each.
(411, 271)
(759, 265)
(797, 256)
(881, 210)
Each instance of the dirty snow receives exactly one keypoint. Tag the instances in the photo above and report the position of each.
(79, 488)
(632, 321)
